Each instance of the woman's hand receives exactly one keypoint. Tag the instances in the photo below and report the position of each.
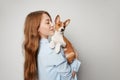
(73, 74)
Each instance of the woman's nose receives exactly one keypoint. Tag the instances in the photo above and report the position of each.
(51, 24)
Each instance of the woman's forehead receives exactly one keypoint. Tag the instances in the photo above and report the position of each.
(45, 17)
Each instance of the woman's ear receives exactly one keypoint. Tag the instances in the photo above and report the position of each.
(57, 19)
(67, 22)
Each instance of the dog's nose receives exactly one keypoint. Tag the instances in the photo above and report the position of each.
(62, 30)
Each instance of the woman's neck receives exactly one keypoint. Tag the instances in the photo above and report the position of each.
(44, 37)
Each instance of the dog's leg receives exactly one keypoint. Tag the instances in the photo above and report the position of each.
(52, 44)
(70, 57)
(64, 44)
(57, 48)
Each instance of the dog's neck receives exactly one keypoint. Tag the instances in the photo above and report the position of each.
(59, 33)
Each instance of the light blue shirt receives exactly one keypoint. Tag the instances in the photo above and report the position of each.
(54, 66)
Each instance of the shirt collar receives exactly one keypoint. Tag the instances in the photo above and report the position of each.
(44, 40)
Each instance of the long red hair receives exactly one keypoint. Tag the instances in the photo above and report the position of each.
(31, 44)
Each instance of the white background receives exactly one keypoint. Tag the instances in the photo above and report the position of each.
(94, 31)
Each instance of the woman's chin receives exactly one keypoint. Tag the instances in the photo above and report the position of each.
(52, 33)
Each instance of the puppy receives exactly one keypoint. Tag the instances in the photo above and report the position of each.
(58, 40)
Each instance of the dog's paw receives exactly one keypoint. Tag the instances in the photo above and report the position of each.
(52, 45)
(64, 44)
(57, 49)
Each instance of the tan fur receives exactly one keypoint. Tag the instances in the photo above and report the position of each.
(69, 51)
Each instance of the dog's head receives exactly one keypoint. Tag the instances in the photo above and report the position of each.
(59, 25)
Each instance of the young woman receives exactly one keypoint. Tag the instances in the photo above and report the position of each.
(41, 62)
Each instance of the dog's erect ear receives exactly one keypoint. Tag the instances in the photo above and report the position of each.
(67, 22)
(57, 19)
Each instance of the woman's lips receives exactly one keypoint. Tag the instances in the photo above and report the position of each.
(52, 30)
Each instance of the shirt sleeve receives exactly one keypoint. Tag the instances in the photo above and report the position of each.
(75, 65)
(64, 69)
(56, 64)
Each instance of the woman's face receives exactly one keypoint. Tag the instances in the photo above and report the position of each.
(46, 28)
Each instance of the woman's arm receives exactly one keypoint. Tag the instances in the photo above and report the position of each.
(56, 64)
(67, 70)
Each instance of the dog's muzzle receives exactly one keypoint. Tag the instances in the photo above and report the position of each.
(62, 30)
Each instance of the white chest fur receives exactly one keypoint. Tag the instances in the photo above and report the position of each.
(57, 41)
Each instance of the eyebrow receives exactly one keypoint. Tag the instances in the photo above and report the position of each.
(47, 19)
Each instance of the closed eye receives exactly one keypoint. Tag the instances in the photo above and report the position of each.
(47, 22)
